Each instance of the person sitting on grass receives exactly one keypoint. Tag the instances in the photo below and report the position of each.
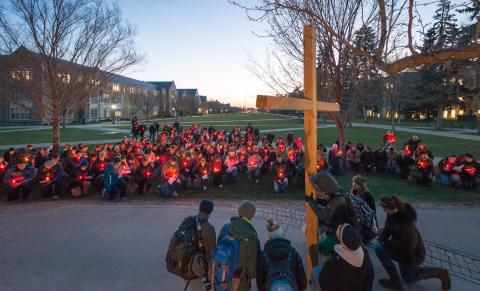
(19, 179)
(423, 172)
(280, 177)
(170, 178)
(52, 178)
(143, 176)
(401, 241)
(449, 170)
(231, 167)
(470, 172)
(254, 165)
(113, 182)
(201, 173)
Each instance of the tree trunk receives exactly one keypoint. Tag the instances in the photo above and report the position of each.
(439, 119)
(341, 140)
(55, 131)
(392, 118)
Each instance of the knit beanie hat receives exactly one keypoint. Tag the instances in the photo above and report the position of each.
(325, 182)
(84, 163)
(206, 206)
(274, 229)
(360, 180)
(246, 209)
(349, 236)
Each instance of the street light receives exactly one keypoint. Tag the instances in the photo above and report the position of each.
(113, 113)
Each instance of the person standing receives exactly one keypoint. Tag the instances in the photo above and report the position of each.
(279, 251)
(401, 241)
(241, 228)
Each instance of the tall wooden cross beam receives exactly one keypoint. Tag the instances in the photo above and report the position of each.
(309, 106)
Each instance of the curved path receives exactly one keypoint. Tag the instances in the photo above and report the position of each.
(89, 245)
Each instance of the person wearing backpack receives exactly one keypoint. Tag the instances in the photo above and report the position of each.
(401, 241)
(280, 265)
(191, 247)
(332, 211)
(241, 238)
(349, 268)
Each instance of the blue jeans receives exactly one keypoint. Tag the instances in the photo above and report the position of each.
(279, 187)
(409, 274)
(315, 278)
(166, 189)
(121, 187)
(254, 174)
(232, 176)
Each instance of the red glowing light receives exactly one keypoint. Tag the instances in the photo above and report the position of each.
(447, 167)
(422, 164)
(471, 171)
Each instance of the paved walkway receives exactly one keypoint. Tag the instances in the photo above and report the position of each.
(89, 245)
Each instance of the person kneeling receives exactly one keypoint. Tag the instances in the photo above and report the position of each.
(401, 241)
(423, 173)
(113, 182)
(80, 180)
(254, 166)
(349, 267)
(280, 265)
(143, 175)
(201, 173)
(51, 178)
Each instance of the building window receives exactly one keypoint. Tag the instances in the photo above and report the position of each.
(19, 113)
(93, 113)
(132, 90)
(22, 75)
(115, 87)
(118, 113)
(65, 78)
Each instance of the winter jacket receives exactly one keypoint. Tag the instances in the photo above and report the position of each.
(339, 275)
(168, 171)
(353, 156)
(141, 172)
(208, 236)
(368, 198)
(110, 178)
(200, 170)
(249, 250)
(230, 163)
(334, 214)
(278, 250)
(254, 162)
(402, 239)
(28, 174)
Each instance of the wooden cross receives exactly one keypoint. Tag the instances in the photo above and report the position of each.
(309, 106)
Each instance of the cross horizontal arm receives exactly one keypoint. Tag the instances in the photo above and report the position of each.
(287, 103)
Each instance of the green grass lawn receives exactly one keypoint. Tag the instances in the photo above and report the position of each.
(440, 146)
(421, 123)
(66, 135)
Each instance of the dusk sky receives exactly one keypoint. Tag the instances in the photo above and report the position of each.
(199, 44)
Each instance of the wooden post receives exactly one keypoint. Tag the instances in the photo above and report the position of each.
(310, 128)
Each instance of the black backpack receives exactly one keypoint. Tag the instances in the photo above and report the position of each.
(364, 216)
(279, 275)
(186, 254)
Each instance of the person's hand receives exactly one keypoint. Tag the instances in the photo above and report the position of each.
(308, 197)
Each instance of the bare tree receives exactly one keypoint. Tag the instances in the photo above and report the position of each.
(144, 103)
(69, 49)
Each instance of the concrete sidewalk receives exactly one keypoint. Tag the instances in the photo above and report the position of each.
(69, 245)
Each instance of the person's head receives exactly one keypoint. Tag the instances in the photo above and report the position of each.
(55, 158)
(469, 157)
(203, 160)
(279, 158)
(392, 204)
(20, 164)
(102, 155)
(29, 147)
(424, 156)
(348, 236)
(415, 138)
(359, 183)
(173, 161)
(274, 229)
(49, 164)
(452, 158)
(422, 146)
(324, 183)
(205, 208)
(247, 209)
(145, 161)
(116, 162)
(84, 165)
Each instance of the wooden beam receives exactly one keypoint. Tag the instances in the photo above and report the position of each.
(327, 106)
(283, 103)
(310, 128)
(286, 103)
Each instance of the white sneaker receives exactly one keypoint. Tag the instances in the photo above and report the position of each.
(175, 194)
(220, 185)
(256, 181)
(204, 188)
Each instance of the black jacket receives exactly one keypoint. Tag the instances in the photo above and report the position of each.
(402, 239)
(278, 250)
(338, 275)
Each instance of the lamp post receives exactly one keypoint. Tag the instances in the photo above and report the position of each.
(113, 113)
